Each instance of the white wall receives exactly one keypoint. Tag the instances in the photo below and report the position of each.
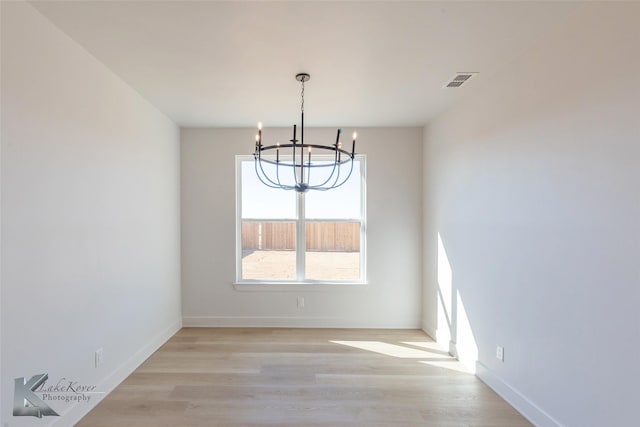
(532, 184)
(394, 185)
(90, 216)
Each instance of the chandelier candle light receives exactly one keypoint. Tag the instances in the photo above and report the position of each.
(327, 167)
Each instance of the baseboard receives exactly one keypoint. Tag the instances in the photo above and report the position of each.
(536, 415)
(75, 412)
(295, 322)
(429, 330)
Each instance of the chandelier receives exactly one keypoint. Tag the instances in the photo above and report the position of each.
(292, 167)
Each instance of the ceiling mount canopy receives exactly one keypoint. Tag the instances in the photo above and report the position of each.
(303, 77)
(292, 167)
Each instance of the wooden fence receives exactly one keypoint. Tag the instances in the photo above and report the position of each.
(320, 236)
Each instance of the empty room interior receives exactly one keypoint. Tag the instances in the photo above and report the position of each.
(230, 213)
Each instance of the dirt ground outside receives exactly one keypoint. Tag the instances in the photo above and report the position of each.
(266, 265)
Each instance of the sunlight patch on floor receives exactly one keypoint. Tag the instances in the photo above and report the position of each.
(430, 346)
(432, 355)
(452, 364)
(391, 349)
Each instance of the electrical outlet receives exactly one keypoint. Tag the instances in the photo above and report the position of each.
(500, 353)
(99, 357)
(300, 302)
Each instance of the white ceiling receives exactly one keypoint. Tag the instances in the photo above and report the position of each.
(207, 63)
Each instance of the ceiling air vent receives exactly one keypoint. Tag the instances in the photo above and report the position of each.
(459, 79)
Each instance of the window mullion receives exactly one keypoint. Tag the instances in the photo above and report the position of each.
(301, 240)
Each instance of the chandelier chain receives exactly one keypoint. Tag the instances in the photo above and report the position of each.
(302, 97)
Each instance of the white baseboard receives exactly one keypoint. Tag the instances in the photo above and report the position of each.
(429, 330)
(295, 322)
(75, 412)
(536, 415)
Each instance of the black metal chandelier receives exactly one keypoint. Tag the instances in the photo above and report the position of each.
(295, 169)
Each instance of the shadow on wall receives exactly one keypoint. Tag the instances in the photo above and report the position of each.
(453, 328)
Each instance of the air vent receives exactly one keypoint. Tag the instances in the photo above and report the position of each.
(459, 78)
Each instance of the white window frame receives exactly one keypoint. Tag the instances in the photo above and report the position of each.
(300, 220)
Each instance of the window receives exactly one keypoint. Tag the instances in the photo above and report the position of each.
(313, 237)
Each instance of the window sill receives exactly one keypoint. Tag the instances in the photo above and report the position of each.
(297, 286)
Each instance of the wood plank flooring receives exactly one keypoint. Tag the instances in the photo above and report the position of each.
(231, 377)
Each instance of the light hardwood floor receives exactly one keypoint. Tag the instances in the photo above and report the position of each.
(301, 377)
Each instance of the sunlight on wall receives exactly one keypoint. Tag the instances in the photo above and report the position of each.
(445, 280)
(453, 329)
(465, 341)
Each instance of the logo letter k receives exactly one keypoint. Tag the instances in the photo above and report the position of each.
(25, 402)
